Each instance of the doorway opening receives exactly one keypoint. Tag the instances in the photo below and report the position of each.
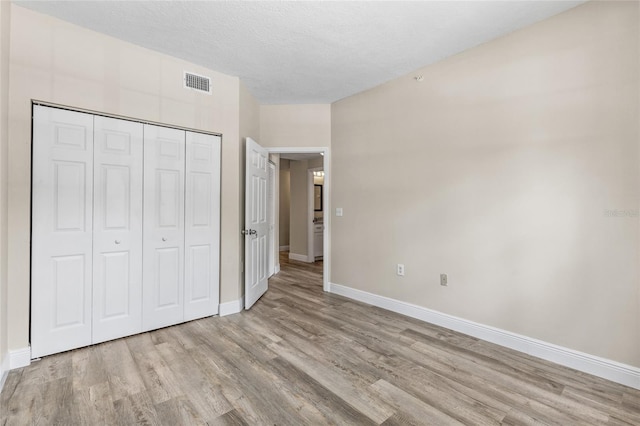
(262, 198)
(303, 198)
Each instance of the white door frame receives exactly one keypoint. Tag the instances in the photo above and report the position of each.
(272, 253)
(326, 202)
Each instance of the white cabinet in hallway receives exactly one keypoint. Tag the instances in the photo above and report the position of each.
(125, 228)
(318, 240)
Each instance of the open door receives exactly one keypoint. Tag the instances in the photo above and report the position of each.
(256, 224)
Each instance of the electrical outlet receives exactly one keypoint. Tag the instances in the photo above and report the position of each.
(444, 280)
(400, 269)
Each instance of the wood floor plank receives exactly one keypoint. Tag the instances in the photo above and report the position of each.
(22, 401)
(250, 398)
(159, 380)
(616, 410)
(301, 356)
(136, 409)
(462, 404)
(494, 363)
(61, 405)
(230, 418)
(94, 404)
(204, 395)
(88, 367)
(179, 411)
(345, 386)
(334, 409)
(500, 392)
(122, 372)
(549, 401)
(409, 408)
(256, 328)
(576, 384)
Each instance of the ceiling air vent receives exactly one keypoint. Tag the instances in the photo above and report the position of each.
(197, 82)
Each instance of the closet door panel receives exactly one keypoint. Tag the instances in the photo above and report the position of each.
(202, 225)
(163, 229)
(167, 262)
(61, 253)
(117, 234)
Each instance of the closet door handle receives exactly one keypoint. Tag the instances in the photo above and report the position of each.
(117, 241)
(164, 238)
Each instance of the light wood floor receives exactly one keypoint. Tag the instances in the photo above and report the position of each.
(300, 356)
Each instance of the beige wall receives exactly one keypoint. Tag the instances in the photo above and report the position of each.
(249, 115)
(298, 208)
(295, 125)
(55, 61)
(284, 202)
(5, 35)
(498, 169)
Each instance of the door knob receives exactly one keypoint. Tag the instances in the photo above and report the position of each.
(164, 238)
(249, 232)
(117, 241)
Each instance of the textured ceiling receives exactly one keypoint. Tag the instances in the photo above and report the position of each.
(305, 51)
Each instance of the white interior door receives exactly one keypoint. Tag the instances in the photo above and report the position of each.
(117, 229)
(163, 229)
(61, 255)
(256, 224)
(202, 226)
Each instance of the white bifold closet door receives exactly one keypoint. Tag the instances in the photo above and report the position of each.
(202, 226)
(164, 164)
(125, 228)
(117, 228)
(181, 227)
(62, 231)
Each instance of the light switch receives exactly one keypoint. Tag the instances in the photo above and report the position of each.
(338, 211)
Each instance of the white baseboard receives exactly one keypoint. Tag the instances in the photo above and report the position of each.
(4, 363)
(4, 369)
(19, 358)
(3, 379)
(591, 364)
(299, 257)
(276, 269)
(232, 307)
(284, 248)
